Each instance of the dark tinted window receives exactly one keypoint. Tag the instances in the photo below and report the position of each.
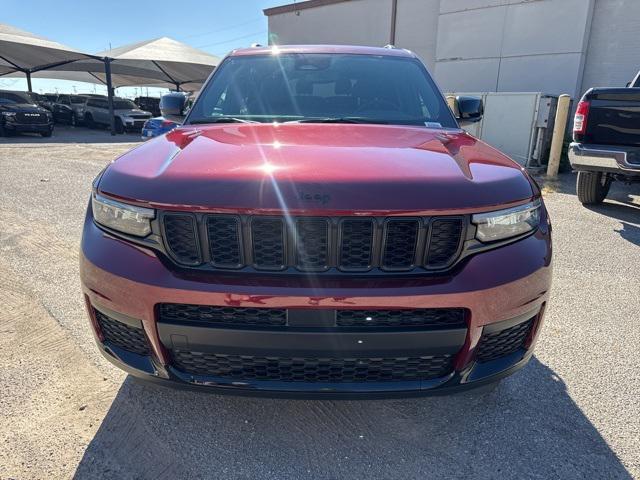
(306, 86)
(123, 104)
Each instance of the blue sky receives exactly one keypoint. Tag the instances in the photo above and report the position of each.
(215, 26)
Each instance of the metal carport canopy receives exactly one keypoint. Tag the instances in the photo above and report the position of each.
(27, 53)
(161, 62)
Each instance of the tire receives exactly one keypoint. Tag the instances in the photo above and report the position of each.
(3, 133)
(88, 121)
(592, 187)
(48, 133)
(119, 125)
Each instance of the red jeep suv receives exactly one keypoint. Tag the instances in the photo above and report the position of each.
(319, 226)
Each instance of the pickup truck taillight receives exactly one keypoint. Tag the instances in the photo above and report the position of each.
(580, 119)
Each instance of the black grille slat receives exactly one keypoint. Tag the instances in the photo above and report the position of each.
(429, 317)
(243, 367)
(224, 241)
(503, 342)
(445, 236)
(400, 242)
(312, 244)
(356, 244)
(268, 239)
(222, 316)
(181, 235)
(122, 335)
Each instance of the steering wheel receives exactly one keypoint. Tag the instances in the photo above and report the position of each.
(376, 102)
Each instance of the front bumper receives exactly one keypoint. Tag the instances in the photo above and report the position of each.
(604, 158)
(498, 289)
(29, 128)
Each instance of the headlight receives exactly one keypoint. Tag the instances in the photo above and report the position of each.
(122, 217)
(9, 114)
(507, 223)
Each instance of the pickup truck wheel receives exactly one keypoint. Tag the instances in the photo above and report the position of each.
(88, 121)
(592, 187)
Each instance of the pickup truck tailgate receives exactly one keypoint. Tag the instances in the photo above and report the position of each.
(614, 117)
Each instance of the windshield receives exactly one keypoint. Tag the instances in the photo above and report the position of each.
(323, 87)
(124, 105)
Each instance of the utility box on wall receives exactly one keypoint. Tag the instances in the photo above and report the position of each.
(518, 124)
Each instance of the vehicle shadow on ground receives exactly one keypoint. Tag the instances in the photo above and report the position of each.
(528, 427)
(65, 134)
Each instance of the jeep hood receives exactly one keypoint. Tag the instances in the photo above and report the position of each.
(317, 168)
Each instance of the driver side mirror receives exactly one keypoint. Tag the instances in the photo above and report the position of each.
(173, 104)
(470, 109)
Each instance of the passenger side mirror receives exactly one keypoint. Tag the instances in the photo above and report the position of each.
(470, 109)
(173, 104)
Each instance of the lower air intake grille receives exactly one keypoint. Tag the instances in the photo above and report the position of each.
(122, 335)
(222, 316)
(236, 367)
(432, 318)
(503, 342)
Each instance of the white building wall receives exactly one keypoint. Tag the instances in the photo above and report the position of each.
(613, 50)
(417, 28)
(512, 45)
(357, 22)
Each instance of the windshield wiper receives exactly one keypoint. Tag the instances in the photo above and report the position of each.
(221, 120)
(339, 120)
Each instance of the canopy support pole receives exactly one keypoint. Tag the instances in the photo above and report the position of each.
(28, 74)
(107, 73)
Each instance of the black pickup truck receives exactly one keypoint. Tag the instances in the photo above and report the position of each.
(606, 146)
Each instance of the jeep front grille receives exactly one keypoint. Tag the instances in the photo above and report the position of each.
(313, 244)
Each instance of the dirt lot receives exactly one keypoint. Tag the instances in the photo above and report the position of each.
(573, 412)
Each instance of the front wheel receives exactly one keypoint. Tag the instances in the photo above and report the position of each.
(88, 121)
(592, 187)
(47, 133)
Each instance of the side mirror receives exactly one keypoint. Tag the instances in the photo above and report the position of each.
(470, 109)
(173, 104)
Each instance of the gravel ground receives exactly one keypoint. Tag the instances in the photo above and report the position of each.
(573, 412)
